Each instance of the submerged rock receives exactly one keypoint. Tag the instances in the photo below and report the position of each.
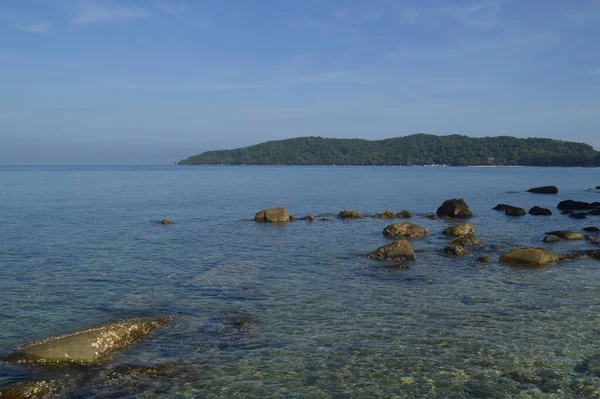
(595, 212)
(591, 229)
(404, 215)
(399, 250)
(432, 217)
(410, 230)
(90, 346)
(346, 215)
(590, 238)
(539, 211)
(460, 230)
(309, 218)
(484, 259)
(534, 257)
(566, 234)
(551, 238)
(514, 211)
(466, 241)
(454, 208)
(272, 215)
(571, 205)
(455, 250)
(32, 390)
(544, 190)
(579, 215)
(385, 215)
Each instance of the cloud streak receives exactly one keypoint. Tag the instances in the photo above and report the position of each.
(92, 13)
(36, 28)
(483, 14)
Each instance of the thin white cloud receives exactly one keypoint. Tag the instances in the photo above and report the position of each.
(481, 14)
(92, 13)
(36, 28)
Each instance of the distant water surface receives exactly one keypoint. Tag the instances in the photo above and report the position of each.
(297, 310)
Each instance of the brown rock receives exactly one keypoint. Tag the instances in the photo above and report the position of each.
(466, 241)
(410, 230)
(454, 208)
(165, 221)
(346, 215)
(455, 250)
(544, 190)
(32, 390)
(514, 211)
(404, 215)
(484, 259)
(460, 230)
(396, 251)
(567, 235)
(272, 215)
(385, 215)
(533, 257)
(539, 211)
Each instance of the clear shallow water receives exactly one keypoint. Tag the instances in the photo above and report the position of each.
(80, 246)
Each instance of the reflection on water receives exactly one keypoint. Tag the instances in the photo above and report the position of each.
(296, 310)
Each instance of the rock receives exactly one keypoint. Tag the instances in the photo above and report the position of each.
(484, 259)
(455, 250)
(597, 187)
(538, 211)
(580, 215)
(32, 390)
(460, 230)
(410, 230)
(552, 238)
(404, 215)
(544, 190)
(454, 208)
(566, 213)
(324, 219)
(90, 346)
(385, 215)
(432, 217)
(466, 241)
(292, 218)
(396, 251)
(591, 229)
(571, 205)
(567, 235)
(245, 220)
(502, 207)
(309, 218)
(272, 215)
(590, 238)
(514, 211)
(595, 212)
(165, 221)
(346, 215)
(534, 257)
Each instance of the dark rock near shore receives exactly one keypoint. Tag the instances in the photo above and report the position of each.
(532, 257)
(272, 215)
(544, 190)
(410, 230)
(484, 259)
(597, 187)
(404, 215)
(396, 251)
(460, 230)
(90, 346)
(566, 213)
(32, 390)
(502, 207)
(571, 205)
(454, 208)
(347, 215)
(566, 234)
(455, 250)
(385, 215)
(165, 221)
(580, 215)
(551, 238)
(595, 212)
(514, 211)
(466, 241)
(309, 218)
(591, 229)
(538, 211)
(432, 217)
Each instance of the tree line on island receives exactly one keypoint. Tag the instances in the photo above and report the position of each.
(418, 149)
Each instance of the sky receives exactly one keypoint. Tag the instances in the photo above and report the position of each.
(155, 81)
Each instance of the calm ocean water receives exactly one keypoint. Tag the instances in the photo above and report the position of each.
(81, 246)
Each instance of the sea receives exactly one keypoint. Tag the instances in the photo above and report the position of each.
(297, 310)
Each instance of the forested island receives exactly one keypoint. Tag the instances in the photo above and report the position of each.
(417, 149)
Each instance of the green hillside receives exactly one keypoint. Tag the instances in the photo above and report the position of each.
(418, 149)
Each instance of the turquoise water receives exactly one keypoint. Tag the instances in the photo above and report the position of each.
(296, 310)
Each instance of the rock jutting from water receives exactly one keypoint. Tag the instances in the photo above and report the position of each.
(551, 238)
(570, 205)
(454, 208)
(399, 250)
(454, 250)
(89, 346)
(539, 211)
(591, 229)
(272, 215)
(502, 207)
(385, 215)
(532, 257)
(579, 215)
(404, 214)
(468, 241)
(347, 215)
(165, 221)
(566, 234)
(32, 390)
(514, 211)
(544, 190)
(460, 230)
(410, 230)
(484, 259)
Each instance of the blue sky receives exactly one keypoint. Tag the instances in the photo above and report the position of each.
(151, 82)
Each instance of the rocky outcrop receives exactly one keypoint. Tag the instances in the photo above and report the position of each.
(570, 205)
(466, 241)
(165, 221)
(410, 230)
(460, 230)
(32, 390)
(90, 346)
(272, 215)
(455, 250)
(347, 215)
(484, 259)
(595, 212)
(532, 257)
(404, 214)
(385, 215)
(544, 190)
(432, 217)
(454, 208)
(539, 211)
(566, 234)
(514, 211)
(591, 229)
(579, 215)
(502, 207)
(309, 218)
(551, 238)
(396, 251)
